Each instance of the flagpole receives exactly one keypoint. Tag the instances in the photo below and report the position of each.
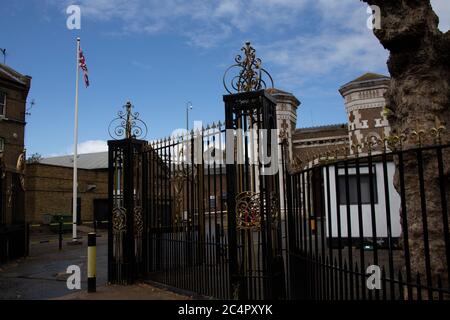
(75, 151)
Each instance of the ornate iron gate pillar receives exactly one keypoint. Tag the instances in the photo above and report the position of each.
(254, 226)
(125, 211)
(254, 220)
(125, 194)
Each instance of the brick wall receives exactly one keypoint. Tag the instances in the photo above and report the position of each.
(49, 191)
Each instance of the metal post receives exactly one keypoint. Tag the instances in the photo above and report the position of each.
(92, 253)
(235, 280)
(75, 151)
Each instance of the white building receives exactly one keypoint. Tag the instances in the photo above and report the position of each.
(364, 105)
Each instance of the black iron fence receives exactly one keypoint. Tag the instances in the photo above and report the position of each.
(169, 212)
(371, 226)
(365, 226)
(185, 212)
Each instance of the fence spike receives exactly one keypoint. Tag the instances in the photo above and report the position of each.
(437, 130)
(356, 148)
(418, 134)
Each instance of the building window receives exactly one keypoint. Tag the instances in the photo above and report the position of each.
(353, 189)
(2, 144)
(2, 103)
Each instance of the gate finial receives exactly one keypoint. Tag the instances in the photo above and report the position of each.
(127, 125)
(251, 73)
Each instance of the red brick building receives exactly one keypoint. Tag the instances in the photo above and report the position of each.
(14, 88)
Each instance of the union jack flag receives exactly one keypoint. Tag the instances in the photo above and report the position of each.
(82, 63)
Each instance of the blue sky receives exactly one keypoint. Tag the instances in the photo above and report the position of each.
(161, 54)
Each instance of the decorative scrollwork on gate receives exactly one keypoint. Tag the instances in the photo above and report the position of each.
(248, 212)
(119, 224)
(274, 203)
(127, 125)
(179, 178)
(138, 230)
(119, 219)
(250, 77)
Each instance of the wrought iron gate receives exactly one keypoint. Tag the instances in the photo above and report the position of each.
(184, 215)
(189, 213)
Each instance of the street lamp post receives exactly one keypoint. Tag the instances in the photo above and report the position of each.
(188, 107)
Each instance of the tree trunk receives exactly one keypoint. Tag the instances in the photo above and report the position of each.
(419, 98)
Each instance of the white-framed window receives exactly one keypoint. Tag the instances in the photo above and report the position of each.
(364, 189)
(2, 103)
(2, 144)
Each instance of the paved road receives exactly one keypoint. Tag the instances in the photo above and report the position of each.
(42, 275)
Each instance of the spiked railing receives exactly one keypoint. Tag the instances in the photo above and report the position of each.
(386, 144)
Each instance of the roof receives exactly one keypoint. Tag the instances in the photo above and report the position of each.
(369, 76)
(96, 161)
(90, 161)
(14, 76)
(367, 80)
(277, 93)
(322, 128)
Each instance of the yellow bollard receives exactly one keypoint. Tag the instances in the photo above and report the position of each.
(92, 263)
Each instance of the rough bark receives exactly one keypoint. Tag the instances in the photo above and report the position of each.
(419, 95)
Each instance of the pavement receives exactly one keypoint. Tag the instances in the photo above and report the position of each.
(140, 291)
(42, 275)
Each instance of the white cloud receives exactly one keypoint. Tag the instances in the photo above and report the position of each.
(336, 38)
(205, 18)
(342, 43)
(220, 16)
(228, 8)
(91, 146)
(314, 56)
